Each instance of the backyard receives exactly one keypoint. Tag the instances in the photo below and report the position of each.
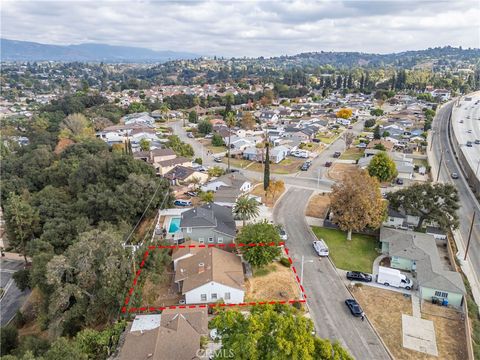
(357, 254)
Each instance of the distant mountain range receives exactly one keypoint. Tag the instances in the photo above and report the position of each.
(13, 50)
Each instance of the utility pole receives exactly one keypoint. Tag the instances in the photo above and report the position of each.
(469, 236)
(439, 166)
(478, 167)
(431, 140)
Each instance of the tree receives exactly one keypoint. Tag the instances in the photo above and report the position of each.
(430, 202)
(376, 112)
(22, 279)
(246, 208)
(266, 171)
(369, 123)
(62, 348)
(275, 188)
(206, 196)
(144, 145)
(22, 222)
(273, 332)
(76, 127)
(344, 113)
(348, 137)
(216, 171)
(9, 339)
(376, 133)
(193, 117)
(382, 167)
(357, 203)
(230, 121)
(264, 233)
(248, 122)
(205, 127)
(217, 140)
(96, 295)
(136, 107)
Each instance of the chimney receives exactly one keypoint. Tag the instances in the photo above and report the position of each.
(201, 268)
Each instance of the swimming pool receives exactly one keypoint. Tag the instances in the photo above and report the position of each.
(174, 225)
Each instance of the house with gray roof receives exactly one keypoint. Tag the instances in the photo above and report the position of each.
(417, 252)
(209, 224)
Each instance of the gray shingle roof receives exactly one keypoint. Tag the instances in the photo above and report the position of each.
(210, 215)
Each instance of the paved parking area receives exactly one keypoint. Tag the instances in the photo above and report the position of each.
(12, 298)
(419, 335)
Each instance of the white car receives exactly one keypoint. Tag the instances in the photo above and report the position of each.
(320, 247)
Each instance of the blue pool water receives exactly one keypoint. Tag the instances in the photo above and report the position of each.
(174, 225)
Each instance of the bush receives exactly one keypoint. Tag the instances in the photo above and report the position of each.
(198, 161)
(297, 305)
(19, 319)
(217, 140)
(22, 279)
(34, 344)
(285, 262)
(369, 123)
(205, 127)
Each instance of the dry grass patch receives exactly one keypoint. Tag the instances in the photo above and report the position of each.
(267, 200)
(338, 171)
(277, 284)
(160, 290)
(384, 308)
(318, 206)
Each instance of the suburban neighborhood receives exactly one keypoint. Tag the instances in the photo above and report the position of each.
(188, 204)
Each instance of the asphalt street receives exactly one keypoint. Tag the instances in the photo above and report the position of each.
(13, 298)
(468, 203)
(324, 288)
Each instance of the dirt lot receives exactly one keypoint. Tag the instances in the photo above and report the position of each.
(338, 171)
(384, 309)
(258, 191)
(318, 206)
(288, 166)
(278, 284)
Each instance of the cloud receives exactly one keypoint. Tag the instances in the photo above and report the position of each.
(247, 28)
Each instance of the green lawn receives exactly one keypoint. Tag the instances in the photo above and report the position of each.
(357, 254)
(352, 154)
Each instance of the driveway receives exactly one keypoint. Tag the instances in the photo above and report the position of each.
(13, 298)
(325, 290)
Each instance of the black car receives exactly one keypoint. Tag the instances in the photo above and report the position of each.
(354, 307)
(359, 276)
(337, 154)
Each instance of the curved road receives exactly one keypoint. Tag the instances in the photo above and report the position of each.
(325, 290)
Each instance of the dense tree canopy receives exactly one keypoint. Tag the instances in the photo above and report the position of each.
(272, 332)
(259, 233)
(382, 167)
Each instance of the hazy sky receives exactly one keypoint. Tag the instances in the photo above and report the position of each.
(247, 28)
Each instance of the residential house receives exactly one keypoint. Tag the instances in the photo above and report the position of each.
(163, 167)
(183, 175)
(208, 275)
(279, 153)
(233, 180)
(252, 153)
(210, 223)
(417, 253)
(138, 119)
(175, 334)
(399, 220)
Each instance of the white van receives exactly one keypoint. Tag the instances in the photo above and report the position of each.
(320, 247)
(393, 277)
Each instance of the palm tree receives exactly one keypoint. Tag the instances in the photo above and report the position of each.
(164, 109)
(230, 121)
(246, 208)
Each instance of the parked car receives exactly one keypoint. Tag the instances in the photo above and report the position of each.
(359, 276)
(337, 154)
(305, 166)
(454, 175)
(328, 164)
(191, 193)
(217, 159)
(190, 135)
(320, 247)
(477, 141)
(469, 143)
(282, 233)
(399, 181)
(354, 307)
(181, 202)
(469, 131)
(208, 136)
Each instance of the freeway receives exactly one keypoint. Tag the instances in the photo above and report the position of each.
(468, 203)
(466, 127)
(324, 289)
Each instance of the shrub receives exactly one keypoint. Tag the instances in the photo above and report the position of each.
(217, 140)
(285, 262)
(9, 339)
(22, 279)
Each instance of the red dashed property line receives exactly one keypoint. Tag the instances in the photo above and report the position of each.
(149, 309)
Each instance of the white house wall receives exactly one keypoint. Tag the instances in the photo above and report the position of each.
(194, 296)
